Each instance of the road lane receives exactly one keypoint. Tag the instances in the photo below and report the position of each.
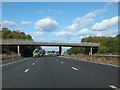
(49, 72)
(95, 73)
(98, 71)
(13, 72)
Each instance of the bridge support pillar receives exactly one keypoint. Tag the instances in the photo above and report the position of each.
(60, 50)
(18, 50)
(90, 50)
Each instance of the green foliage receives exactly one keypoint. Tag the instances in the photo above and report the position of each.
(24, 50)
(75, 50)
(107, 45)
(110, 44)
(103, 49)
(6, 33)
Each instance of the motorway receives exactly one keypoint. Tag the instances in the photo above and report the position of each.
(57, 72)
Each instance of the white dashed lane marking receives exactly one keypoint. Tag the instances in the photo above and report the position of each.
(33, 64)
(26, 70)
(61, 62)
(56, 60)
(113, 87)
(74, 68)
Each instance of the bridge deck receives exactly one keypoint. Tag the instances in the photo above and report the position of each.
(30, 42)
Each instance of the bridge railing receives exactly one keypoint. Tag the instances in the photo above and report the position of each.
(15, 40)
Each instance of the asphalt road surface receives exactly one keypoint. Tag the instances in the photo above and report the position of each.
(57, 72)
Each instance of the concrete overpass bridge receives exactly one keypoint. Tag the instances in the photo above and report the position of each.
(23, 42)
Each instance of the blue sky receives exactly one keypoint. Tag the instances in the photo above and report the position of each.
(61, 21)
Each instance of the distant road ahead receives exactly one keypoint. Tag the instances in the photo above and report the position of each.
(57, 72)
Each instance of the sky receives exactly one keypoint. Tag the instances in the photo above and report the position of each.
(61, 21)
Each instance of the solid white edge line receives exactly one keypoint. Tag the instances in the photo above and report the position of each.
(74, 68)
(26, 70)
(14, 62)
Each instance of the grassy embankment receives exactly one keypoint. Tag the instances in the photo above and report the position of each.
(99, 59)
(8, 56)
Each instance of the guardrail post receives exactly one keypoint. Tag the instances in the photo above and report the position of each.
(18, 50)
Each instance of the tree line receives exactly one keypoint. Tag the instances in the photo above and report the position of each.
(108, 45)
(24, 50)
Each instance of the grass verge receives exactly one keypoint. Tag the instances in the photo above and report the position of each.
(98, 59)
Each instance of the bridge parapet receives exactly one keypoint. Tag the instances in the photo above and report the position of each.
(31, 42)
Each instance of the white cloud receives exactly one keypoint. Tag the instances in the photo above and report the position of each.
(109, 32)
(26, 23)
(46, 25)
(81, 22)
(105, 23)
(38, 34)
(102, 33)
(7, 23)
(63, 33)
(83, 31)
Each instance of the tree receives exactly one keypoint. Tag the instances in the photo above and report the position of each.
(25, 50)
(6, 33)
(103, 50)
(107, 45)
(76, 50)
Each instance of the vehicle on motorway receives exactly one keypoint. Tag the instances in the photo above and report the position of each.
(38, 52)
(42, 52)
